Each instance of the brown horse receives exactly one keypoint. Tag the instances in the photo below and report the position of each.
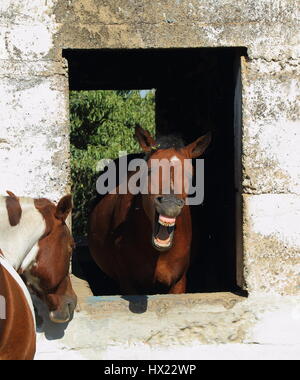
(17, 320)
(143, 241)
(36, 241)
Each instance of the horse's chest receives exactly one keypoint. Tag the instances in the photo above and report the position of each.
(167, 273)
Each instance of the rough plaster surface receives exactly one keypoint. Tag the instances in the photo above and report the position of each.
(266, 27)
(34, 127)
(34, 136)
(34, 151)
(271, 122)
(195, 351)
(272, 243)
(114, 328)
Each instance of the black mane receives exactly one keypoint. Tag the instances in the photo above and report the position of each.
(171, 141)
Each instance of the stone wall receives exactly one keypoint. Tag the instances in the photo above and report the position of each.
(267, 27)
(202, 326)
(34, 124)
(271, 174)
(270, 104)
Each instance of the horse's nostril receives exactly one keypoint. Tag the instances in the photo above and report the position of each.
(167, 200)
(180, 202)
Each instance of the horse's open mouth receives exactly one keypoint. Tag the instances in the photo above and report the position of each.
(163, 232)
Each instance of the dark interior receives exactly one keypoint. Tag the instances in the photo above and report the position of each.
(195, 91)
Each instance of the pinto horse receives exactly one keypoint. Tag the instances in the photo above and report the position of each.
(36, 241)
(17, 320)
(143, 241)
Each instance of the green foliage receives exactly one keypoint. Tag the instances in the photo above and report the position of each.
(102, 125)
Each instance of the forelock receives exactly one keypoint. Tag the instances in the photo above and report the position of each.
(170, 142)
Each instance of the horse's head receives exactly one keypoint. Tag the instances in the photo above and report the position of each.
(169, 176)
(48, 275)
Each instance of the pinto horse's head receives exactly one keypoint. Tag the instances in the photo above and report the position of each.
(169, 174)
(48, 275)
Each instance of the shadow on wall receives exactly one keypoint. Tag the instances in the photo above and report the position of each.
(137, 304)
(84, 267)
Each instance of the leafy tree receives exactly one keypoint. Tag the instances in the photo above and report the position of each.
(102, 125)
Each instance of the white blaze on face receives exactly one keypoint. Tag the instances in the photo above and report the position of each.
(176, 162)
(20, 241)
(174, 159)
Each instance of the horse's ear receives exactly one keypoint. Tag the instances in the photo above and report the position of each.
(12, 195)
(146, 141)
(198, 147)
(64, 208)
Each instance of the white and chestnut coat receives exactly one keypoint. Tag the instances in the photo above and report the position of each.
(36, 242)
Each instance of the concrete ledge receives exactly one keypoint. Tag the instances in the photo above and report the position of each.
(191, 326)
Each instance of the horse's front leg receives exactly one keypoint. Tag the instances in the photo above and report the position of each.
(127, 288)
(179, 287)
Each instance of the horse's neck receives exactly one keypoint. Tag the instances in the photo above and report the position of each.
(139, 221)
(19, 243)
(4, 263)
(123, 208)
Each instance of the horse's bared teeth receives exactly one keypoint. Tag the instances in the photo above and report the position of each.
(162, 243)
(166, 222)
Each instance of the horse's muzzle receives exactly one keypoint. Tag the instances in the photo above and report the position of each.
(169, 206)
(65, 313)
(167, 209)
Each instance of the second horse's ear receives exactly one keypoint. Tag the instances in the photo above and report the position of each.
(146, 141)
(198, 147)
(64, 208)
